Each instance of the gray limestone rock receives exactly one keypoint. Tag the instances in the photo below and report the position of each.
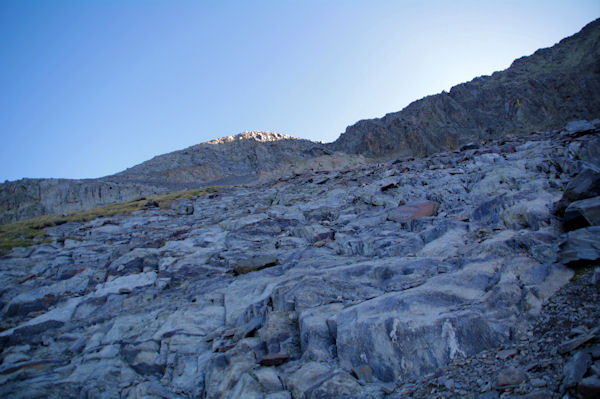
(509, 377)
(575, 368)
(582, 213)
(585, 185)
(580, 247)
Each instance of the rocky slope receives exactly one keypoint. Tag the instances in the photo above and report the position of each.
(371, 282)
(539, 92)
(229, 160)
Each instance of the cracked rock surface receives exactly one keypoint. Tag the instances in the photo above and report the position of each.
(355, 283)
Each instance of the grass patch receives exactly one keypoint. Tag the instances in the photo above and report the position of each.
(31, 231)
(580, 271)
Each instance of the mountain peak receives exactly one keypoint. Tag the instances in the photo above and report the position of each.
(255, 135)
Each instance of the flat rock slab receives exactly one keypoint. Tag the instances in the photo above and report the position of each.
(585, 185)
(413, 210)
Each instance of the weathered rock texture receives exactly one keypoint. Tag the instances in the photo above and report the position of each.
(304, 287)
(539, 92)
(33, 197)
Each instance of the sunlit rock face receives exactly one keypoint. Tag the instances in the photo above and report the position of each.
(330, 283)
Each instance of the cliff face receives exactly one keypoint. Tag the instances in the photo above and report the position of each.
(33, 197)
(539, 92)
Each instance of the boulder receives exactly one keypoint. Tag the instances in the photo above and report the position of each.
(580, 247)
(578, 127)
(585, 185)
(582, 213)
(413, 210)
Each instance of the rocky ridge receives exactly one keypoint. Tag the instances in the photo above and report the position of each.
(539, 92)
(385, 280)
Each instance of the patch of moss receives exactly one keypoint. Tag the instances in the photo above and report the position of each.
(31, 231)
(580, 271)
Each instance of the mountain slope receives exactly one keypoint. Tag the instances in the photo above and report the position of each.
(228, 160)
(320, 285)
(539, 92)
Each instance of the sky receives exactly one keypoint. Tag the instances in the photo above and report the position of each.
(90, 88)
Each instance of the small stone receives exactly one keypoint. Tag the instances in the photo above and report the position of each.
(506, 353)
(493, 394)
(449, 384)
(151, 204)
(363, 373)
(575, 368)
(538, 394)
(574, 343)
(388, 388)
(538, 383)
(267, 377)
(510, 376)
(388, 186)
(224, 348)
(229, 333)
(413, 210)
(469, 146)
(274, 359)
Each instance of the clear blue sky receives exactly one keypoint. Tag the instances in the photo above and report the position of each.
(89, 88)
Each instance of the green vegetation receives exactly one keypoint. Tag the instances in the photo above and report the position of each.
(580, 271)
(31, 231)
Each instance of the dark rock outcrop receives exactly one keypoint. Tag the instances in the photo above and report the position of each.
(539, 92)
